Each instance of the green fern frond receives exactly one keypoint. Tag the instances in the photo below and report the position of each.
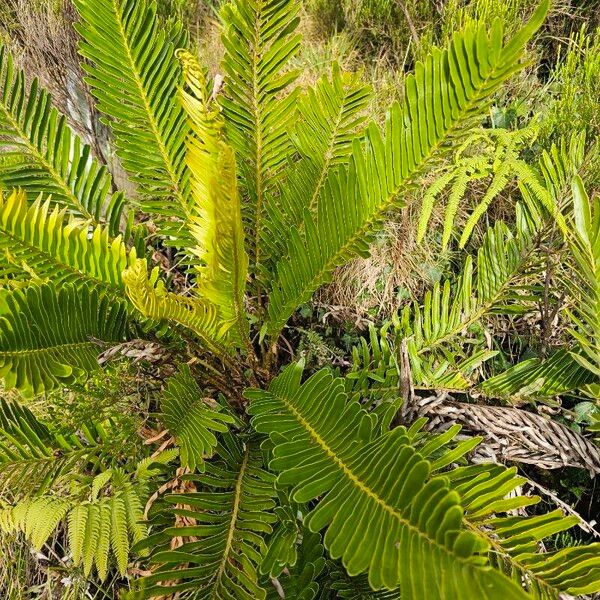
(331, 116)
(443, 96)
(223, 547)
(46, 157)
(487, 153)
(443, 337)
(134, 75)
(555, 375)
(515, 541)
(216, 222)
(40, 241)
(584, 286)
(259, 41)
(405, 529)
(33, 458)
(48, 337)
(300, 580)
(190, 420)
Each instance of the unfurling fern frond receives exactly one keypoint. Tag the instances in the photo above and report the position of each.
(49, 337)
(442, 97)
(383, 512)
(191, 420)
(216, 221)
(259, 42)
(45, 157)
(331, 116)
(218, 552)
(39, 241)
(151, 298)
(134, 75)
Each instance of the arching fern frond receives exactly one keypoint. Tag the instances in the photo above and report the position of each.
(134, 75)
(39, 241)
(46, 157)
(48, 337)
(191, 420)
(443, 96)
(222, 546)
(216, 221)
(151, 298)
(259, 41)
(383, 513)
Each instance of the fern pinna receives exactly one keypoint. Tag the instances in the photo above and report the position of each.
(248, 478)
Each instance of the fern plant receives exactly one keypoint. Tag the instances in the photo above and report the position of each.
(252, 195)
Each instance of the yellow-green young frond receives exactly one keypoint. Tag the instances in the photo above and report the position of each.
(443, 97)
(37, 518)
(191, 420)
(39, 242)
(49, 338)
(151, 298)
(44, 156)
(97, 528)
(216, 220)
(384, 512)
(260, 39)
(134, 75)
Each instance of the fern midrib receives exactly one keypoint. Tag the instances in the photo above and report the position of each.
(501, 551)
(355, 480)
(77, 272)
(53, 348)
(173, 178)
(232, 524)
(48, 166)
(380, 211)
(256, 57)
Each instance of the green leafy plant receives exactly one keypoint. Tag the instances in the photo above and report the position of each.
(253, 476)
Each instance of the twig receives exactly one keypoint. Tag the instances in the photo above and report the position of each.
(583, 524)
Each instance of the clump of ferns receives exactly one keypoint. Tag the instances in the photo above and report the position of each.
(487, 160)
